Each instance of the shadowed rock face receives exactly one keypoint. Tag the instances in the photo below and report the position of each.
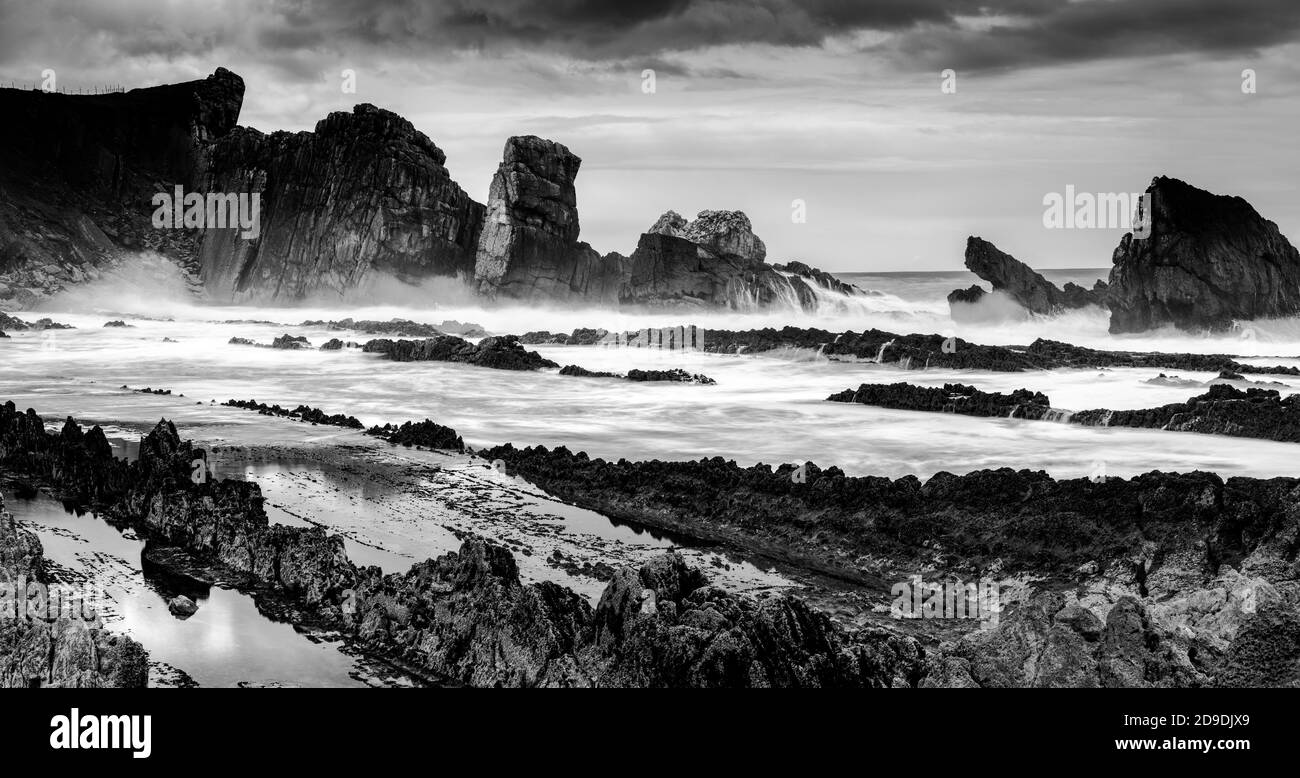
(77, 172)
(1209, 260)
(365, 193)
(1019, 281)
(529, 244)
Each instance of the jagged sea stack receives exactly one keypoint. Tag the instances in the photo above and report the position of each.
(529, 248)
(1209, 260)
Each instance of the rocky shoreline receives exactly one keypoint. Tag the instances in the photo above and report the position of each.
(464, 617)
(1159, 580)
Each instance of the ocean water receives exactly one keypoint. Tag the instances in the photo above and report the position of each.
(764, 408)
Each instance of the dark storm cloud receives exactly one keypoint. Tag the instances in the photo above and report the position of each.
(1107, 29)
(969, 34)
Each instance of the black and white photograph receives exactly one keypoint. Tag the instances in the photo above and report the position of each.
(672, 344)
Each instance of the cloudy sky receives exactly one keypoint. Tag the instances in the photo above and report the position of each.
(758, 103)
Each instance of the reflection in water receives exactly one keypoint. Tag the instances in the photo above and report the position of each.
(226, 642)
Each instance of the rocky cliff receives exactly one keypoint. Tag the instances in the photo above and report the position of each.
(1208, 261)
(365, 193)
(77, 173)
(363, 196)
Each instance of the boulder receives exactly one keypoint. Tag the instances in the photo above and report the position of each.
(182, 606)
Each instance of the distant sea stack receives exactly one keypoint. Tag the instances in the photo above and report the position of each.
(1020, 282)
(1209, 260)
(364, 196)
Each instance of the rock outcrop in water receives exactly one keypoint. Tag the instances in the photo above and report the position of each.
(1223, 410)
(951, 398)
(917, 352)
(676, 375)
(1020, 282)
(1209, 260)
(364, 196)
(503, 352)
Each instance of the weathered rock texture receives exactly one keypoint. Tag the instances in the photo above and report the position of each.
(365, 193)
(1210, 260)
(529, 244)
(1020, 282)
(45, 648)
(529, 249)
(502, 352)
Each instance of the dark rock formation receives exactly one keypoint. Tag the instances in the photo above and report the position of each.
(529, 247)
(18, 325)
(1016, 279)
(579, 337)
(284, 342)
(116, 324)
(952, 398)
(676, 375)
(582, 372)
(972, 295)
(365, 193)
(77, 173)
(302, 412)
(1223, 410)
(290, 342)
(917, 352)
(403, 328)
(425, 434)
(501, 352)
(1209, 260)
